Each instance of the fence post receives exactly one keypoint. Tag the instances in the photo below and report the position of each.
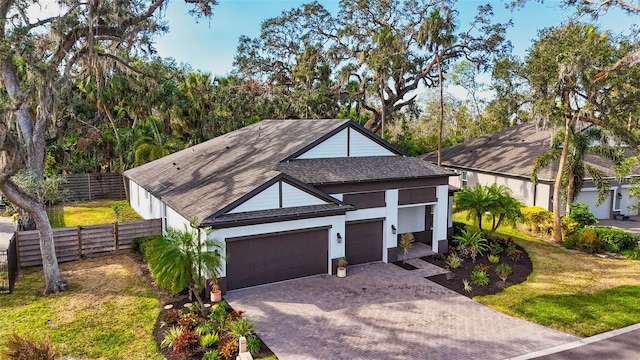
(17, 248)
(116, 236)
(79, 242)
(89, 184)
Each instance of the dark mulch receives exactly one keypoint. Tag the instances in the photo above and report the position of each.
(521, 270)
(404, 265)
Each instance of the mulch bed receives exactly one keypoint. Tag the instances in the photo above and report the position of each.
(521, 270)
(178, 302)
(404, 265)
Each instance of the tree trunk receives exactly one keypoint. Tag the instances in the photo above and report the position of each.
(571, 188)
(54, 281)
(382, 109)
(557, 186)
(441, 113)
(32, 142)
(196, 293)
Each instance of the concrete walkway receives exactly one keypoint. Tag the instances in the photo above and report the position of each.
(381, 311)
(7, 227)
(632, 225)
(617, 344)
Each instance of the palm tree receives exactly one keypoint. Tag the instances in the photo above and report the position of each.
(476, 201)
(581, 143)
(153, 143)
(505, 209)
(436, 32)
(180, 259)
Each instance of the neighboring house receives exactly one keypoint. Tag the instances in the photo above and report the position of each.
(506, 158)
(290, 197)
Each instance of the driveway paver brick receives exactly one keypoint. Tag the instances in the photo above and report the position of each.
(381, 311)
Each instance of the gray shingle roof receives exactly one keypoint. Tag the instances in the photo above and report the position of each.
(281, 213)
(204, 178)
(510, 151)
(356, 169)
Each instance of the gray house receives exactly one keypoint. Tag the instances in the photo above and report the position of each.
(506, 158)
(290, 197)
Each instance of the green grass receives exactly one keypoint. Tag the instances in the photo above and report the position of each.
(81, 213)
(573, 292)
(108, 313)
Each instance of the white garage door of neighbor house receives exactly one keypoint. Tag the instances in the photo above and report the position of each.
(589, 198)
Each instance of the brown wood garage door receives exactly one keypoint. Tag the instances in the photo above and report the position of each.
(363, 241)
(263, 259)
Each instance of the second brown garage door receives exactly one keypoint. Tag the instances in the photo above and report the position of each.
(363, 241)
(263, 259)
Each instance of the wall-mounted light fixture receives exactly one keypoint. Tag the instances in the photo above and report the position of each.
(393, 229)
(339, 238)
(619, 196)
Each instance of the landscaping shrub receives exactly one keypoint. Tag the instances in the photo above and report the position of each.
(474, 242)
(536, 218)
(495, 248)
(503, 271)
(568, 226)
(571, 241)
(616, 240)
(186, 343)
(514, 254)
(589, 242)
(253, 344)
(209, 340)
(22, 348)
(458, 227)
(453, 261)
(212, 355)
(479, 276)
(632, 254)
(494, 259)
(139, 245)
(580, 213)
(123, 211)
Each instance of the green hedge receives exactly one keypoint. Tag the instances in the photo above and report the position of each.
(123, 211)
(616, 240)
(611, 239)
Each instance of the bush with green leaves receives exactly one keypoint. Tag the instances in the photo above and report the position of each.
(479, 276)
(458, 226)
(139, 245)
(122, 211)
(535, 218)
(253, 344)
(616, 240)
(580, 214)
(170, 336)
(474, 242)
(503, 271)
(495, 248)
(205, 328)
(241, 327)
(493, 259)
(633, 254)
(212, 355)
(453, 261)
(209, 340)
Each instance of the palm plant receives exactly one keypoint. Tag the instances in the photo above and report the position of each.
(180, 260)
(406, 243)
(505, 208)
(581, 143)
(476, 201)
(153, 143)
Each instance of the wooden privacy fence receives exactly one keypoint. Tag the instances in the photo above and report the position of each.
(93, 186)
(73, 243)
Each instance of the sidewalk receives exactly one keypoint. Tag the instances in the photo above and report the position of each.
(618, 344)
(7, 227)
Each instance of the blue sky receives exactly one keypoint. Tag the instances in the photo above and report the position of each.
(210, 45)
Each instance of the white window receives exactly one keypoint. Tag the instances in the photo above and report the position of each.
(463, 178)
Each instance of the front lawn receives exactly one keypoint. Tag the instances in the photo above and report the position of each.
(109, 311)
(573, 292)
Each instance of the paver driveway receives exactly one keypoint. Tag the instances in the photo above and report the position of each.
(380, 311)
